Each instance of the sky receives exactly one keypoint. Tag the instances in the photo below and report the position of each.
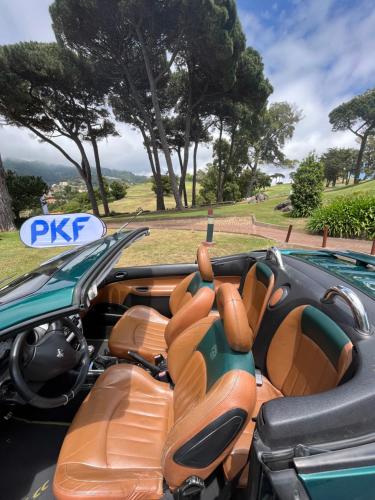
(317, 54)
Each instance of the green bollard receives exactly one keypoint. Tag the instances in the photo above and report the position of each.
(210, 228)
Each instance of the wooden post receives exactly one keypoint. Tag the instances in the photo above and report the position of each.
(373, 247)
(210, 228)
(289, 233)
(325, 236)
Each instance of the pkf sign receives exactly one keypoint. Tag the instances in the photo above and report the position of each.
(61, 230)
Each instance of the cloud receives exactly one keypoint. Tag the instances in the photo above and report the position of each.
(316, 54)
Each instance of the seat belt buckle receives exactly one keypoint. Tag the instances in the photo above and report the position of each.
(191, 488)
(258, 377)
(160, 362)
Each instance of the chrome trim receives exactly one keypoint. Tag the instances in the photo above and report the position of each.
(353, 301)
(273, 253)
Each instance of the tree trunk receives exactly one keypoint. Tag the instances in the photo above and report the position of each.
(6, 213)
(155, 168)
(220, 184)
(250, 188)
(159, 121)
(226, 167)
(91, 195)
(86, 176)
(358, 166)
(98, 166)
(160, 204)
(183, 186)
(194, 192)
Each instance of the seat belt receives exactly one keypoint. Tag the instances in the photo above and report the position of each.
(258, 377)
(244, 274)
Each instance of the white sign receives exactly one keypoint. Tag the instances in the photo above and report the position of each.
(61, 230)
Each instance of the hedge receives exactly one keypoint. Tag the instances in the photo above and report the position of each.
(346, 217)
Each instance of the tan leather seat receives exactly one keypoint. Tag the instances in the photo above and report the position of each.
(309, 353)
(256, 293)
(132, 432)
(148, 333)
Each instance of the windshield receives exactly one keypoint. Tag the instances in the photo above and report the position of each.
(33, 281)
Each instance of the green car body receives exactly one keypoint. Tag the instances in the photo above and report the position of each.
(61, 279)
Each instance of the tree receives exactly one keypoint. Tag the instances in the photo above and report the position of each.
(118, 190)
(166, 182)
(307, 187)
(369, 157)
(277, 176)
(146, 42)
(199, 135)
(25, 191)
(44, 88)
(238, 110)
(358, 116)
(208, 182)
(266, 138)
(138, 113)
(338, 162)
(260, 181)
(6, 212)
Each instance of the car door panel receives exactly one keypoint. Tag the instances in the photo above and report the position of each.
(153, 285)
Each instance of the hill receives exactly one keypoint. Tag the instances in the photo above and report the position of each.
(53, 173)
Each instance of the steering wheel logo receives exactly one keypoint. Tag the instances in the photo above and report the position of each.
(60, 353)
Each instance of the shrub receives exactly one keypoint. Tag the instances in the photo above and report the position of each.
(346, 217)
(307, 188)
(118, 190)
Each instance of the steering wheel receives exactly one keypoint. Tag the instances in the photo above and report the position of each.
(47, 357)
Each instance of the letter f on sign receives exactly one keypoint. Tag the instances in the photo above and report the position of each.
(78, 226)
(38, 228)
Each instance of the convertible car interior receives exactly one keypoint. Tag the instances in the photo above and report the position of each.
(244, 376)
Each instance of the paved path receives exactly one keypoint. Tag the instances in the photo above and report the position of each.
(245, 225)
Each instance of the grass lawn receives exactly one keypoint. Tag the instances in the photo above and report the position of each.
(141, 195)
(161, 247)
(16, 258)
(264, 212)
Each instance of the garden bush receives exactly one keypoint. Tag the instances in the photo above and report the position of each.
(307, 187)
(346, 217)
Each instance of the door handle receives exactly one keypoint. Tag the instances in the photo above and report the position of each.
(121, 275)
(142, 289)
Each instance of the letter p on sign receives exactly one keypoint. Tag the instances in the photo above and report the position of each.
(61, 230)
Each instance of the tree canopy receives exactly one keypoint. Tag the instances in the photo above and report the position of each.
(25, 191)
(54, 93)
(162, 59)
(358, 116)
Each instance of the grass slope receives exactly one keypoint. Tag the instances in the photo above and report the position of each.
(141, 195)
(161, 247)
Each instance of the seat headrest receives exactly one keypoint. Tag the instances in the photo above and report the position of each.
(233, 315)
(204, 264)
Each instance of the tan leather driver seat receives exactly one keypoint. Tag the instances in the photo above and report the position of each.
(309, 353)
(132, 432)
(145, 331)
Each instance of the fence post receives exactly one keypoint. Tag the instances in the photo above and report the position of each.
(373, 247)
(210, 228)
(325, 236)
(289, 233)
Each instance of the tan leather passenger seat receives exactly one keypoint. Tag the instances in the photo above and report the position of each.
(309, 353)
(147, 332)
(133, 432)
(256, 293)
